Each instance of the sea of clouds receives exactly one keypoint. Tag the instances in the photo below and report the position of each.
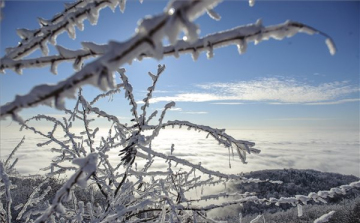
(324, 150)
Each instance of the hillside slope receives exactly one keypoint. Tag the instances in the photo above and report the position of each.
(296, 182)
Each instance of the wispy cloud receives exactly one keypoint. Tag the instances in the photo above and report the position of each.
(175, 109)
(269, 90)
(335, 102)
(195, 112)
(191, 97)
(298, 119)
(317, 74)
(227, 103)
(186, 112)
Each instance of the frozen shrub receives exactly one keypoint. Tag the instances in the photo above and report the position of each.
(131, 191)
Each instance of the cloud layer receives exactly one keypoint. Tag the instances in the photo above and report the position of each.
(270, 90)
(332, 151)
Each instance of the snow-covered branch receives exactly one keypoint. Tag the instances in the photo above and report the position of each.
(86, 169)
(177, 16)
(239, 36)
(242, 147)
(317, 197)
(109, 93)
(254, 199)
(7, 184)
(129, 95)
(201, 168)
(131, 188)
(73, 15)
(32, 200)
(151, 89)
(50, 136)
(325, 218)
(6, 164)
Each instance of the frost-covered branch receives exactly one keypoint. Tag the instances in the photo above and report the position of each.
(6, 164)
(134, 195)
(84, 112)
(317, 197)
(109, 93)
(325, 218)
(242, 147)
(177, 16)
(73, 15)
(300, 200)
(74, 152)
(151, 89)
(293, 200)
(86, 169)
(239, 36)
(32, 200)
(129, 95)
(222, 195)
(132, 191)
(199, 167)
(7, 184)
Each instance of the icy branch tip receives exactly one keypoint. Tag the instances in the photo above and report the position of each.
(251, 3)
(325, 217)
(331, 45)
(170, 105)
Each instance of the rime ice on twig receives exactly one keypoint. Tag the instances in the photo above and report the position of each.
(32, 200)
(242, 147)
(149, 37)
(87, 167)
(132, 193)
(257, 219)
(251, 3)
(99, 72)
(72, 16)
(7, 184)
(239, 36)
(325, 218)
(131, 190)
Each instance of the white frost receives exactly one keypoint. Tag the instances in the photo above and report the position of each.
(99, 49)
(325, 217)
(257, 219)
(25, 33)
(214, 15)
(331, 45)
(300, 210)
(251, 3)
(122, 5)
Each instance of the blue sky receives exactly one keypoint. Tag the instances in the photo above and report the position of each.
(294, 83)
